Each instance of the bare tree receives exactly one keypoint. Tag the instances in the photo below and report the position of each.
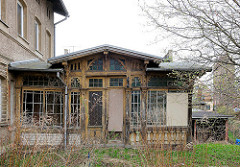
(206, 30)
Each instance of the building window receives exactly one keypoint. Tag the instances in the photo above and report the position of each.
(136, 82)
(156, 113)
(21, 18)
(74, 119)
(48, 45)
(37, 35)
(95, 65)
(135, 111)
(95, 108)
(75, 66)
(116, 81)
(40, 81)
(75, 83)
(48, 13)
(54, 107)
(95, 83)
(117, 65)
(34, 107)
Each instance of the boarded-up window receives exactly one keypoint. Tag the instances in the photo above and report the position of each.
(95, 108)
(74, 119)
(177, 109)
(115, 110)
(156, 113)
(135, 111)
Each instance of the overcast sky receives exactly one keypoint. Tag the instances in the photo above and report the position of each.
(115, 22)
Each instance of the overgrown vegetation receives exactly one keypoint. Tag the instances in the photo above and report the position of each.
(212, 154)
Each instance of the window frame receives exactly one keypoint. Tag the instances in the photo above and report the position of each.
(19, 4)
(138, 112)
(37, 28)
(119, 61)
(117, 82)
(60, 91)
(164, 112)
(97, 82)
(78, 106)
(101, 105)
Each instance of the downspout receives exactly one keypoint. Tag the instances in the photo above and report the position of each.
(55, 32)
(65, 109)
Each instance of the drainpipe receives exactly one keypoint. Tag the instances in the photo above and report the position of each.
(65, 109)
(55, 33)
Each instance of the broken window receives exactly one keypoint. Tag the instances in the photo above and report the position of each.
(32, 107)
(156, 113)
(135, 111)
(95, 108)
(54, 107)
(136, 82)
(116, 81)
(95, 83)
(75, 83)
(117, 65)
(95, 65)
(74, 119)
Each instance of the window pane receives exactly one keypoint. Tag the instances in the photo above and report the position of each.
(32, 107)
(95, 108)
(20, 18)
(95, 83)
(116, 81)
(135, 111)
(74, 119)
(156, 108)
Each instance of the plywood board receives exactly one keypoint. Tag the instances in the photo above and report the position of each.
(115, 107)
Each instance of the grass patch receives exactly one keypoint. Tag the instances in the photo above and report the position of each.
(201, 155)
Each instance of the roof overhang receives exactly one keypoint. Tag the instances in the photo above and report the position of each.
(181, 66)
(209, 115)
(59, 7)
(35, 70)
(103, 48)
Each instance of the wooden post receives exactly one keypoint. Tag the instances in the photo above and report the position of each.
(195, 131)
(226, 130)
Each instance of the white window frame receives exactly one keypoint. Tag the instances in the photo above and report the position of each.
(22, 18)
(37, 35)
